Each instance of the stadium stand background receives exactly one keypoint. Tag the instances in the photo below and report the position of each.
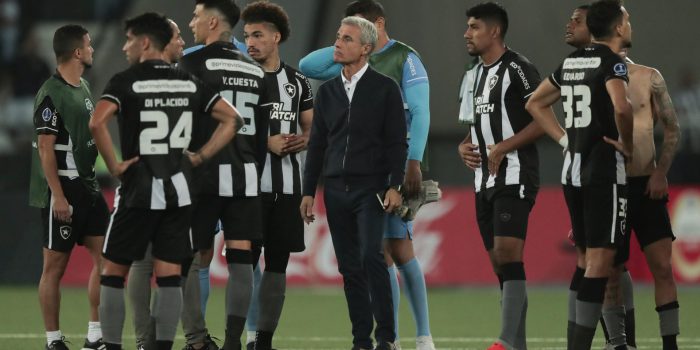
(662, 33)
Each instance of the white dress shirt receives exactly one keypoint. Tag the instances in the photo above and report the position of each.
(350, 85)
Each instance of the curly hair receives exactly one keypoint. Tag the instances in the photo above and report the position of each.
(267, 12)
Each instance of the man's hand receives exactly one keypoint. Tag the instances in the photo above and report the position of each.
(657, 186)
(469, 153)
(307, 209)
(277, 143)
(121, 167)
(61, 209)
(195, 158)
(495, 158)
(295, 143)
(620, 147)
(414, 178)
(392, 200)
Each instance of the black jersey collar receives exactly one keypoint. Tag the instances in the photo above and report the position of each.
(58, 76)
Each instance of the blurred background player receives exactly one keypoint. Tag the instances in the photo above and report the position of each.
(228, 186)
(289, 111)
(401, 63)
(592, 82)
(154, 199)
(500, 149)
(63, 182)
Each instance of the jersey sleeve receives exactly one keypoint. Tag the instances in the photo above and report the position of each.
(319, 64)
(555, 78)
(115, 91)
(207, 95)
(615, 68)
(525, 77)
(46, 119)
(413, 71)
(306, 99)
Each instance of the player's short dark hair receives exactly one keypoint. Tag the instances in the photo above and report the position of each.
(228, 8)
(491, 12)
(267, 12)
(602, 17)
(369, 9)
(151, 24)
(66, 39)
(584, 7)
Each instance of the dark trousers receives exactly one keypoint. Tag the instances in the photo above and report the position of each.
(356, 222)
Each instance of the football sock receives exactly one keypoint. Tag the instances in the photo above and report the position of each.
(628, 298)
(395, 297)
(238, 293)
(112, 308)
(669, 324)
(614, 317)
(514, 299)
(271, 293)
(94, 332)
(414, 287)
(589, 303)
(263, 340)
(573, 292)
(53, 336)
(204, 288)
(193, 323)
(139, 293)
(167, 308)
(251, 322)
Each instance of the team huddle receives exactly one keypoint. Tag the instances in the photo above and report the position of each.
(225, 136)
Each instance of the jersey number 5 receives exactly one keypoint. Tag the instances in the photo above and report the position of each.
(149, 137)
(244, 104)
(581, 116)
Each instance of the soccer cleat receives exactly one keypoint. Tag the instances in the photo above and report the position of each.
(425, 342)
(96, 345)
(355, 347)
(57, 344)
(496, 346)
(429, 193)
(250, 346)
(207, 344)
(397, 344)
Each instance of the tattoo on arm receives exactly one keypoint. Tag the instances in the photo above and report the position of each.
(663, 110)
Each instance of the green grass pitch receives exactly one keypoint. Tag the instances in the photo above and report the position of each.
(316, 318)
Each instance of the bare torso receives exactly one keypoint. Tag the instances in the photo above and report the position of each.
(639, 91)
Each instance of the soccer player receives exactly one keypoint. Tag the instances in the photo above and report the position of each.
(289, 111)
(403, 64)
(648, 189)
(578, 36)
(500, 149)
(156, 107)
(228, 186)
(63, 182)
(593, 83)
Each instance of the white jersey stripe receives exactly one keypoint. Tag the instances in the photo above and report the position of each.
(251, 180)
(51, 222)
(614, 214)
(513, 168)
(266, 178)
(565, 167)
(576, 170)
(225, 180)
(111, 219)
(478, 174)
(157, 194)
(183, 191)
(620, 173)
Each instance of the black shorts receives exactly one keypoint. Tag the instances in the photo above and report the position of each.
(283, 227)
(647, 217)
(504, 212)
(598, 215)
(132, 229)
(90, 217)
(240, 218)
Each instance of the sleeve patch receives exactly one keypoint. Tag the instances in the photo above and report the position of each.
(620, 69)
(46, 114)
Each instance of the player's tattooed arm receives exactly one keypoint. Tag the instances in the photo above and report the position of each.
(664, 111)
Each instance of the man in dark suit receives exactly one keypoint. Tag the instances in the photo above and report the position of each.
(359, 135)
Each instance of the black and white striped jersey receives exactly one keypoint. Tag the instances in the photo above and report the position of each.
(500, 93)
(289, 94)
(157, 107)
(590, 116)
(235, 170)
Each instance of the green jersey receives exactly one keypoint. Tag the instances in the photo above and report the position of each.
(63, 110)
